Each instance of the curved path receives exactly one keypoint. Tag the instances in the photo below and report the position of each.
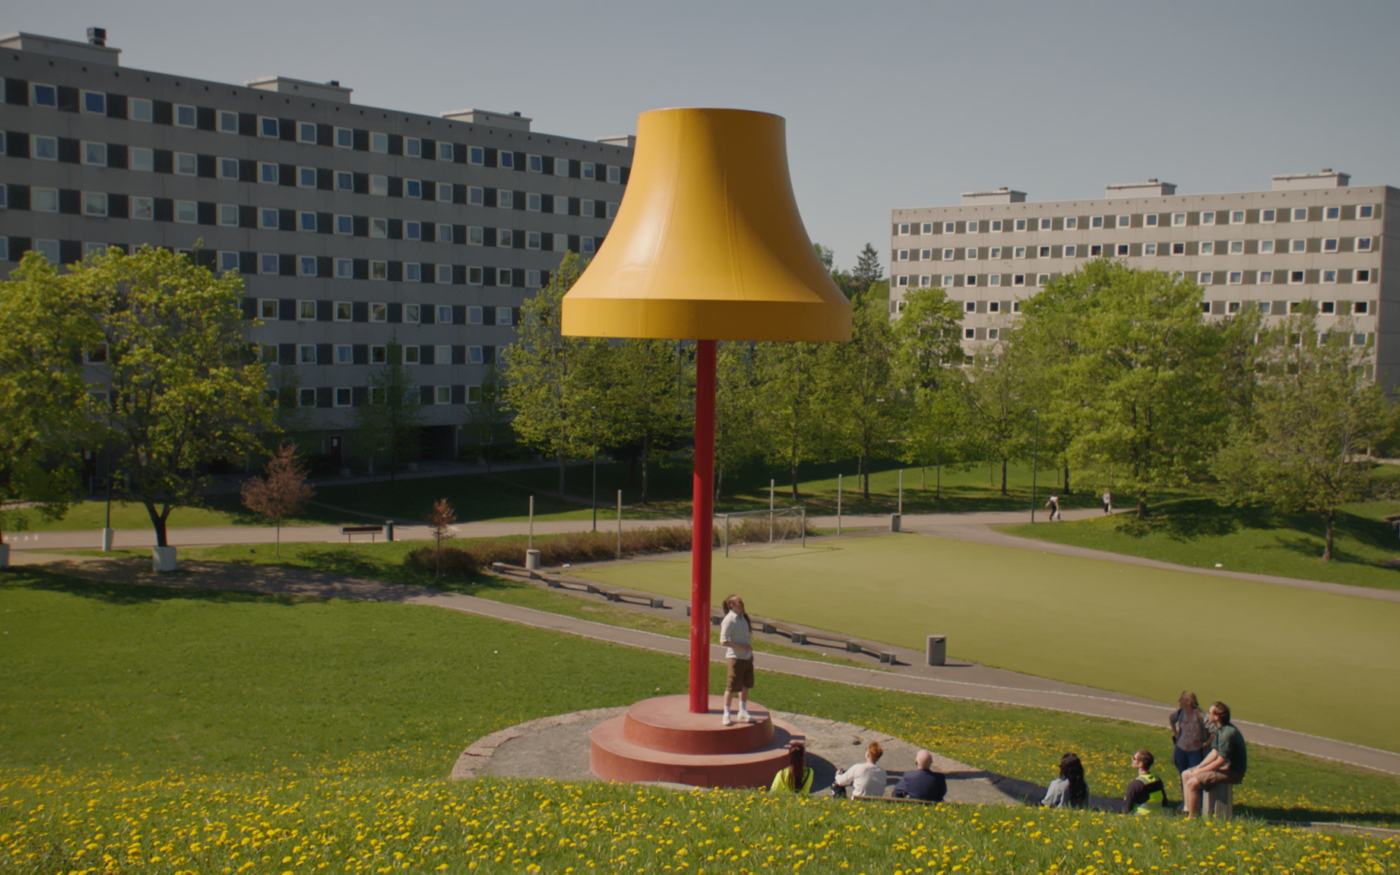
(956, 680)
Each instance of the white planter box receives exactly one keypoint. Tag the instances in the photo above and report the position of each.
(162, 558)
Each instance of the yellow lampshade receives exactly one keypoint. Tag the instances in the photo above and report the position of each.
(708, 243)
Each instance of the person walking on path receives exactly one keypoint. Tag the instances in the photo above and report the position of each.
(865, 779)
(1225, 764)
(1054, 505)
(922, 782)
(1107, 501)
(1146, 794)
(736, 636)
(797, 776)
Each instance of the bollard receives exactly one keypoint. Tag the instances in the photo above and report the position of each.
(532, 560)
(388, 530)
(937, 650)
(894, 522)
(107, 535)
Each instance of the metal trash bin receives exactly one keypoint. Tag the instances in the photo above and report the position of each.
(894, 522)
(532, 560)
(937, 649)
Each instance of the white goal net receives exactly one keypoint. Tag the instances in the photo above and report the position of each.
(765, 526)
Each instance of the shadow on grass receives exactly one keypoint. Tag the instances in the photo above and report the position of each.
(133, 593)
(1383, 819)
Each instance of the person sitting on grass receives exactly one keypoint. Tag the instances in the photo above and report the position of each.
(922, 782)
(1070, 790)
(1225, 764)
(865, 779)
(1146, 794)
(797, 776)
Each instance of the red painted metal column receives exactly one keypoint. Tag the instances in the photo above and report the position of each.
(702, 526)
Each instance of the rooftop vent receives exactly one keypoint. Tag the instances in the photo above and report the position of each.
(514, 121)
(1325, 178)
(97, 36)
(331, 90)
(1001, 195)
(1150, 188)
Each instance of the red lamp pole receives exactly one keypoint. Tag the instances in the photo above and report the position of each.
(702, 526)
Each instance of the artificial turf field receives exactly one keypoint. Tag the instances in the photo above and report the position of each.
(1308, 661)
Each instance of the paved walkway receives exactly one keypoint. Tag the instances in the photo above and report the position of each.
(956, 680)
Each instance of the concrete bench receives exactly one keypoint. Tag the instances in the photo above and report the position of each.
(350, 531)
(1218, 801)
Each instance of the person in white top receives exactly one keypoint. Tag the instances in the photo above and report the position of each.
(735, 635)
(865, 779)
(1107, 501)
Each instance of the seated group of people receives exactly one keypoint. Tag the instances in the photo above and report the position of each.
(865, 778)
(1207, 752)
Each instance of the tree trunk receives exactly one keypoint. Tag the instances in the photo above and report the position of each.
(719, 481)
(1066, 479)
(561, 473)
(1331, 518)
(923, 477)
(279, 537)
(938, 483)
(1003, 476)
(794, 482)
(1142, 504)
(646, 464)
(157, 522)
(865, 477)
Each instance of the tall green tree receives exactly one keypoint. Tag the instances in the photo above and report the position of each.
(646, 410)
(999, 408)
(553, 382)
(43, 398)
(858, 393)
(1316, 415)
(927, 362)
(789, 415)
(1142, 365)
(486, 415)
(387, 425)
(868, 270)
(186, 387)
(737, 430)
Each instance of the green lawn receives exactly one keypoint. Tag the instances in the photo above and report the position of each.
(172, 709)
(1262, 648)
(1204, 534)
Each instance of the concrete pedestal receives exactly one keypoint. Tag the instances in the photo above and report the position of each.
(162, 558)
(661, 740)
(107, 536)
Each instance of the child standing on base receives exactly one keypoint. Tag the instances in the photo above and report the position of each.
(735, 635)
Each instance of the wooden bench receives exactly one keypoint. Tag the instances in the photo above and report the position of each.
(350, 531)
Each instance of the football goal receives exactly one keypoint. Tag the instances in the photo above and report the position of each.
(765, 526)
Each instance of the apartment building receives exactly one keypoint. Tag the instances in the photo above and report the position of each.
(351, 226)
(1312, 236)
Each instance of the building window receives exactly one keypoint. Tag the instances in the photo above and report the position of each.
(1208, 218)
(379, 270)
(476, 236)
(344, 354)
(1236, 277)
(1150, 220)
(412, 272)
(412, 230)
(972, 227)
(971, 253)
(95, 154)
(505, 200)
(950, 227)
(1070, 251)
(1300, 214)
(1125, 221)
(475, 277)
(1266, 247)
(185, 164)
(503, 277)
(413, 147)
(903, 228)
(268, 219)
(267, 263)
(970, 280)
(1266, 277)
(413, 188)
(306, 221)
(228, 167)
(948, 255)
(45, 148)
(187, 212)
(443, 274)
(1095, 250)
(185, 116)
(444, 233)
(476, 196)
(1329, 276)
(1018, 279)
(1327, 308)
(1096, 221)
(141, 207)
(228, 262)
(561, 166)
(1363, 244)
(969, 334)
(306, 312)
(947, 281)
(1297, 245)
(379, 185)
(1046, 224)
(1295, 277)
(535, 164)
(412, 355)
(532, 279)
(379, 228)
(532, 201)
(345, 268)
(94, 203)
(1121, 250)
(1042, 279)
(1018, 252)
(378, 142)
(1205, 277)
(1236, 247)
(1365, 211)
(1148, 249)
(1268, 215)
(138, 109)
(344, 138)
(1329, 244)
(1207, 247)
(344, 181)
(306, 265)
(268, 173)
(1331, 214)
(474, 356)
(345, 224)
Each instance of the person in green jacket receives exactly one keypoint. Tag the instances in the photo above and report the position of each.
(788, 779)
(1146, 794)
(1225, 764)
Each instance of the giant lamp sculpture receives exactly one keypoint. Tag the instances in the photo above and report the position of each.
(707, 246)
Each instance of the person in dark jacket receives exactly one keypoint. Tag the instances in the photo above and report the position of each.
(1146, 794)
(922, 782)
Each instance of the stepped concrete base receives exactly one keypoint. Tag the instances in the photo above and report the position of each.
(661, 740)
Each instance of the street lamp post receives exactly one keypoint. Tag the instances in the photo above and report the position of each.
(594, 410)
(1035, 457)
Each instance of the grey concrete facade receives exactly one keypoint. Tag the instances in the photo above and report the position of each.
(1311, 237)
(351, 226)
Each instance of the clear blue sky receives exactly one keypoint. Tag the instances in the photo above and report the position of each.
(895, 104)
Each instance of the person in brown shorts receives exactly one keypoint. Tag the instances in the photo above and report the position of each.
(735, 635)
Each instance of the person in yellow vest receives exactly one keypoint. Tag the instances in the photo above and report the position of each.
(1146, 793)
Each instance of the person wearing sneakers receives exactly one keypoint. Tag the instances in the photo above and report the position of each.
(734, 634)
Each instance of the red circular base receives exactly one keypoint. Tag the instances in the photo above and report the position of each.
(661, 740)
